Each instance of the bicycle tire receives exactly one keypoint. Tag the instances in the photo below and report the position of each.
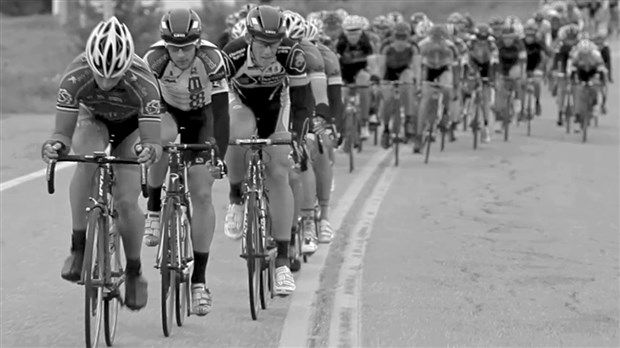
(529, 113)
(260, 242)
(584, 128)
(182, 283)
(396, 146)
(167, 273)
(112, 302)
(476, 126)
(251, 252)
(93, 279)
(567, 116)
(296, 258)
(428, 143)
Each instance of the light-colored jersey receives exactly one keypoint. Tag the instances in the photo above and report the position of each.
(332, 65)
(438, 54)
(192, 88)
(315, 65)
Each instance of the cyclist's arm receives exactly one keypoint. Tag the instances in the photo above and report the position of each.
(318, 80)
(294, 63)
(64, 127)
(67, 102)
(220, 118)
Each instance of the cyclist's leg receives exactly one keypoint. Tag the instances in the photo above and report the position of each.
(90, 135)
(242, 126)
(157, 175)
(386, 113)
(280, 195)
(517, 86)
(561, 83)
(203, 221)
(406, 99)
(501, 101)
(324, 175)
(309, 184)
(363, 79)
(130, 222)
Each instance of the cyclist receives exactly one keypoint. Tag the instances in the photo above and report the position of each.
(354, 48)
(192, 76)
(568, 36)
(438, 63)
(536, 51)
(108, 96)
(497, 25)
(584, 64)
(305, 193)
(324, 164)
(262, 65)
(543, 28)
(573, 15)
(401, 63)
(603, 47)
(483, 59)
(511, 68)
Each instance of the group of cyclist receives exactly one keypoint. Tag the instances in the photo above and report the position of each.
(274, 73)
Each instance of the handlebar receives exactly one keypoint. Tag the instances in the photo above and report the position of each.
(260, 143)
(99, 158)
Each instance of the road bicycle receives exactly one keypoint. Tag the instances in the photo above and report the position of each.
(102, 271)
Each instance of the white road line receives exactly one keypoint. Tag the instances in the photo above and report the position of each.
(28, 177)
(296, 329)
(346, 324)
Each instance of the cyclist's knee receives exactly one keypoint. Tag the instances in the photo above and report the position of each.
(168, 128)
(242, 120)
(127, 188)
(363, 78)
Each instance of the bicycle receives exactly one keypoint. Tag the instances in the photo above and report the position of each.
(529, 96)
(438, 121)
(589, 94)
(479, 103)
(397, 115)
(102, 270)
(256, 245)
(511, 89)
(568, 104)
(352, 126)
(175, 259)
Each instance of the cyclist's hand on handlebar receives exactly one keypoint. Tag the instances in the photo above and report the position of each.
(51, 149)
(148, 153)
(319, 125)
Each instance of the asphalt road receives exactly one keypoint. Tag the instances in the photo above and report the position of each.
(515, 244)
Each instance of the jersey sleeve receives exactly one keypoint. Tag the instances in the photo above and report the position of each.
(294, 64)
(146, 89)
(157, 59)
(73, 81)
(216, 66)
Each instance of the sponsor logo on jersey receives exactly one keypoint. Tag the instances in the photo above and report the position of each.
(298, 61)
(153, 107)
(237, 54)
(64, 97)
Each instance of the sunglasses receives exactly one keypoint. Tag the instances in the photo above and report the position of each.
(185, 48)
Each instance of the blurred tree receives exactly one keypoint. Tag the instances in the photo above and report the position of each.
(25, 7)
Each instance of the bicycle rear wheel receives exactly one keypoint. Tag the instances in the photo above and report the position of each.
(529, 114)
(167, 272)
(253, 257)
(585, 120)
(93, 271)
(475, 126)
(264, 232)
(112, 300)
(568, 113)
(428, 140)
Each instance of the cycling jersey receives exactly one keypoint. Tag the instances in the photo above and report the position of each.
(438, 54)
(136, 95)
(332, 65)
(585, 65)
(562, 53)
(510, 56)
(261, 88)
(606, 55)
(398, 56)
(192, 88)
(315, 66)
(353, 58)
(483, 51)
(535, 53)
(375, 40)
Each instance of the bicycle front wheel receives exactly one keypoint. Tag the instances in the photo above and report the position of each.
(167, 271)
(93, 276)
(112, 300)
(253, 256)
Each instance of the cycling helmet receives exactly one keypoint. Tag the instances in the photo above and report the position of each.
(266, 23)
(530, 28)
(352, 23)
(496, 20)
(366, 23)
(238, 30)
(381, 23)
(315, 15)
(438, 32)
(539, 16)
(586, 46)
(316, 22)
(312, 32)
(110, 49)
(418, 17)
(231, 20)
(180, 27)
(395, 17)
(295, 25)
(423, 28)
(402, 28)
(483, 31)
(245, 9)
(455, 18)
(599, 39)
(451, 29)
(569, 32)
(342, 14)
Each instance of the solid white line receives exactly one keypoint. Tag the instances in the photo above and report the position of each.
(28, 177)
(346, 322)
(296, 329)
